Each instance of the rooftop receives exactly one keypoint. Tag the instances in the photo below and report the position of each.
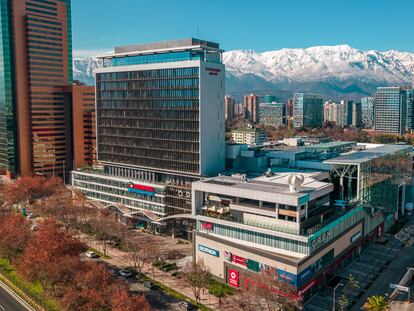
(372, 152)
(275, 183)
(163, 46)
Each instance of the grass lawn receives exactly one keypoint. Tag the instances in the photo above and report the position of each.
(34, 290)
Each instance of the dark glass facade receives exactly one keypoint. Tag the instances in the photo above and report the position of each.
(149, 118)
(8, 144)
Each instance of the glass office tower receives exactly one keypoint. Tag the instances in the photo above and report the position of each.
(390, 110)
(307, 110)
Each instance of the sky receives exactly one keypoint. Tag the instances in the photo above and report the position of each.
(260, 25)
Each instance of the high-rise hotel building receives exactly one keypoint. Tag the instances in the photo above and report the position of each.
(160, 126)
(36, 61)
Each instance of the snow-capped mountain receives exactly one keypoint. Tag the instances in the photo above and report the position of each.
(333, 71)
(84, 68)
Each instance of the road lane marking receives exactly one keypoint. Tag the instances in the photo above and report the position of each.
(1, 307)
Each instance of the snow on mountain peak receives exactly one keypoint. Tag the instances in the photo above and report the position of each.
(336, 68)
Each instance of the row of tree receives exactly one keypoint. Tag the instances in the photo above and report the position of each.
(52, 257)
(50, 253)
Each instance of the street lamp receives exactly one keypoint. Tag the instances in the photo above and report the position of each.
(339, 284)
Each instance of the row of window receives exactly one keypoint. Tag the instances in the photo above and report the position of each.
(148, 74)
(150, 162)
(149, 104)
(165, 129)
(155, 134)
(150, 84)
(160, 93)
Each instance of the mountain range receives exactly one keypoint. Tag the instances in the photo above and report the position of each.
(335, 72)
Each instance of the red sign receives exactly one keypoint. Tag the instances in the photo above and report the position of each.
(234, 278)
(240, 260)
(140, 187)
(207, 226)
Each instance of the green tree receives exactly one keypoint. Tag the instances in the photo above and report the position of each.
(377, 303)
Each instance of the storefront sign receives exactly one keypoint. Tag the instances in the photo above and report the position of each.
(322, 238)
(207, 226)
(233, 278)
(228, 256)
(239, 260)
(287, 277)
(356, 236)
(141, 189)
(305, 275)
(208, 250)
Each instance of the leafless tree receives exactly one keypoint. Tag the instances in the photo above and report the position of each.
(197, 276)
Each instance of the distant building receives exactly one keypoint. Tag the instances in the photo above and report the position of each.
(409, 124)
(238, 110)
(83, 125)
(356, 114)
(334, 112)
(307, 110)
(348, 104)
(289, 109)
(390, 110)
(269, 99)
(272, 113)
(250, 136)
(229, 103)
(367, 112)
(251, 107)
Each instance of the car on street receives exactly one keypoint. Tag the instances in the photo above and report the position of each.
(150, 285)
(125, 273)
(187, 305)
(91, 254)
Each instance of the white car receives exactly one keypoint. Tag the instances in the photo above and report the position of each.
(91, 254)
(125, 273)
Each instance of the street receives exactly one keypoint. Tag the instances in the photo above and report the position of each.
(8, 302)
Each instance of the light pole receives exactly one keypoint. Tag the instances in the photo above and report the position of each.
(339, 284)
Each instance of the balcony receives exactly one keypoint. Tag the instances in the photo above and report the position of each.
(249, 219)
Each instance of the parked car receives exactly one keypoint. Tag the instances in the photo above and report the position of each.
(91, 254)
(150, 285)
(32, 215)
(125, 273)
(186, 305)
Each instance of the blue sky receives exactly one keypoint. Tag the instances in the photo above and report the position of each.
(261, 25)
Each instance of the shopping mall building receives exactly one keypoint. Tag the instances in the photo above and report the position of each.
(303, 223)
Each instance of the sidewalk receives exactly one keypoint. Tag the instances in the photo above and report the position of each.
(121, 259)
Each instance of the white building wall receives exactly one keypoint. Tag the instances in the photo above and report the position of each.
(212, 123)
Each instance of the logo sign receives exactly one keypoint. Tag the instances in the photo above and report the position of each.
(208, 250)
(141, 189)
(234, 278)
(213, 71)
(356, 236)
(321, 239)
(239, 260)
(399, 287)
(207, 226)
(228, 256)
